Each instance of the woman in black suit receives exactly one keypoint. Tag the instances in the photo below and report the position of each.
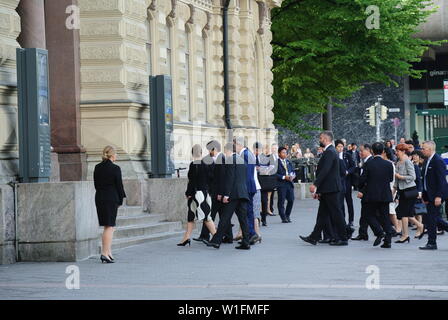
(109, 196)
(199, 201)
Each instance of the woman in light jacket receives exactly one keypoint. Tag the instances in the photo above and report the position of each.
(405, 183)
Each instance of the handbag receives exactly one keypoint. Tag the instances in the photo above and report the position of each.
(410, 193)
(420, 208)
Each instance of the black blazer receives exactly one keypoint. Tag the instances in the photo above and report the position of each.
(375, 180)
(108, 182)
(435, 179)
(342, 171)
(198, 177)
(350, 164)
(235, 172)
(328, 177)
(216, 174)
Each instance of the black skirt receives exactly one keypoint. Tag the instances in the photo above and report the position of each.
(107, 212)
(405, 207)
(267, 183)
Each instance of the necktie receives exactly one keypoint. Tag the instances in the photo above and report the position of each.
(284, 166)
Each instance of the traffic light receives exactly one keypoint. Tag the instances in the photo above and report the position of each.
(371, 117)
(384, 112)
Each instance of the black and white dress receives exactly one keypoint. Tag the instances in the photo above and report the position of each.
(200, 203)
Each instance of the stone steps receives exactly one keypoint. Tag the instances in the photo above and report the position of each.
(134, 226)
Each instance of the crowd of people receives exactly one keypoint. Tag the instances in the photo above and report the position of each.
(400, 187)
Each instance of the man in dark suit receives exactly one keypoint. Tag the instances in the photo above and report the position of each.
(327, 187)
(375, 191)
(285, 186)
(342, 170)
(356, 157)
(350, 168)
(366, 155)
(435, 192)
(215, 159)
(250, 161)
(234, 197)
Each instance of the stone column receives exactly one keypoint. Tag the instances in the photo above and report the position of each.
(32, 14)
(234, 65)
(216, 108)
(63, 50)
(9, 31)
(247, 73)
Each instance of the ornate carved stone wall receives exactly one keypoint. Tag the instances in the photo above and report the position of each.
(123, 41)
(9, 31)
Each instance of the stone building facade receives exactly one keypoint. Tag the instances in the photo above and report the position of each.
(101, 55)
(116, 45)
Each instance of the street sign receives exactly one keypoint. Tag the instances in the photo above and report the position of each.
(445, 93)
(394, 109)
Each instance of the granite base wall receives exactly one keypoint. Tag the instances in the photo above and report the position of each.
(7, 225)
(57, 221)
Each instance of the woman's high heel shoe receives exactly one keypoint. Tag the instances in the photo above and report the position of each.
(110, 257)
(408, 240)
(105, 259)
(183, 244)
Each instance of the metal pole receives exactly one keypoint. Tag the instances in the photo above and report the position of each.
(378, 119)
(395, 133)
(225, 31)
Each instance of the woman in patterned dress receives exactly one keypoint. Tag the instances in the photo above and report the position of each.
(199, 201)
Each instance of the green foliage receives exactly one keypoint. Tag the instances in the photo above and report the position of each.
(323, 50)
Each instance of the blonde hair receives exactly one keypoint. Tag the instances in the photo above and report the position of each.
(108, 152)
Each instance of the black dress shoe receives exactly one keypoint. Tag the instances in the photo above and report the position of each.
(227, 240)
(359, 237)
(264, 224)
(284, 221)
(378, 240)
(289, 220)
(212, 244)
(386, 245)
(339, 243)
(309, 240)
(200, 239)
(243, 247)
(324, 241)
(429, 247)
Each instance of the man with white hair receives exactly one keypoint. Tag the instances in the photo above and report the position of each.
(250, 161)
(435, 191)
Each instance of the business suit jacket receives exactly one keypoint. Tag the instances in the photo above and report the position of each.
(250, 161)
(281, 172)
(435, 179)
(342, 171)
(375, 180)
(350, 164)
(235, 184)
(216, 173)
(328, 178)
(108, 182)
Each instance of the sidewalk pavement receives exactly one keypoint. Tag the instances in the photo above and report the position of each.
(280, 267)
